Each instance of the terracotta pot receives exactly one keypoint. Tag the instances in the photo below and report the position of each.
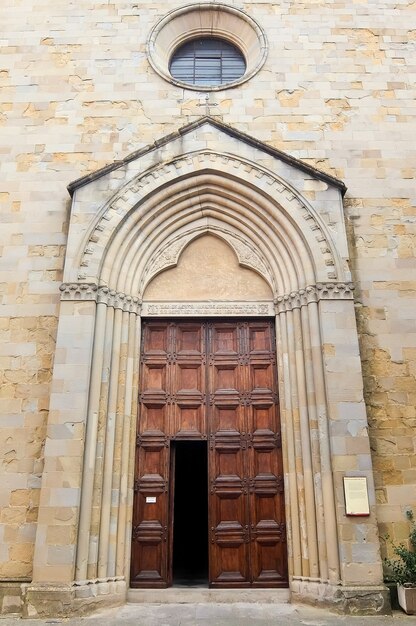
(407, 599)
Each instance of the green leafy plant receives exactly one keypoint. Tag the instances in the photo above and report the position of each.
(403, 569)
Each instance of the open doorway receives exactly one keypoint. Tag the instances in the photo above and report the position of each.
(190, 513)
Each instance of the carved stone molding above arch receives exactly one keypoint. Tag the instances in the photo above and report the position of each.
(126, 217)
(193, 165)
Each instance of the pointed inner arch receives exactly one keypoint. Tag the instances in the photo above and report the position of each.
(210, 202)
(207, 269)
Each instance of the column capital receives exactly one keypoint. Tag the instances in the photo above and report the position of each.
(314, 293)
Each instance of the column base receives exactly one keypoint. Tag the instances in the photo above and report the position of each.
(346, 600)
(42, 600)
(11, 597)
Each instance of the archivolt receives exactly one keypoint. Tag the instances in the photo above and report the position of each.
(141, 231)
(205, 192)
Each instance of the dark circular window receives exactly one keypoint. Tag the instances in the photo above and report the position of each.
(207, 61)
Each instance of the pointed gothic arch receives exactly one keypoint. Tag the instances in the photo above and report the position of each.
(296, 241)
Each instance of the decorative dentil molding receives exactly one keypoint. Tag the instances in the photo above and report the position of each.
(314, 293)
(148, 182)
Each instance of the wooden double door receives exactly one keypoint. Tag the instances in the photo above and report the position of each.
(213, 382)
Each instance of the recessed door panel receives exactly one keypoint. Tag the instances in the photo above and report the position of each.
(189, 399)
(150, 514)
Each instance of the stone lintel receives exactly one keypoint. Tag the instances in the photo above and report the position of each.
(207, 309)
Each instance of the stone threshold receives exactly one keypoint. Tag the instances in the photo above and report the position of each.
(195, 595)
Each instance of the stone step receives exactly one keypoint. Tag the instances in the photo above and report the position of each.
(196, 595)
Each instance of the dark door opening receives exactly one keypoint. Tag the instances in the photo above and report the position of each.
(190, 514)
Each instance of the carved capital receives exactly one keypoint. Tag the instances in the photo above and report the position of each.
(335, 291)
(132, 305)
(101, 295)
(78, 291)
(119, 300)
(314, 293)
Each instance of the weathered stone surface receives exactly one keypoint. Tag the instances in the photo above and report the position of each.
(78, 93)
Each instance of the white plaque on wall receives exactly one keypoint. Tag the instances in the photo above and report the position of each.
(356, 496)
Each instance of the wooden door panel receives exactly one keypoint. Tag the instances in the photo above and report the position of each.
(227, 417)
(267, 528)
(155, 339)
(260, 338)
(150, 514)
(226, 378)
(224, 340)
(150, 510)
(154, 375)
(190, 377)
(266, 487)
(188, 374)
(189, 399)
(269, 555)
(263, 419)
(153, 418)
(261, 376)
(229, 531)
(189, 338)
(153, 399)
(215, 379)
(189, 418)
(225, 381)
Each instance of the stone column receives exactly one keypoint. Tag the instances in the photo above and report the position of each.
(349, 441)
(95, 370)
(322, 403)
(56, 538)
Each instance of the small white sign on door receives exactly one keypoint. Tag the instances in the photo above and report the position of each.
(151, 500)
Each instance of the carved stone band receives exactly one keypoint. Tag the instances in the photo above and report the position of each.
(207, 309)
(294, 300)
(90, 291)
(314, 293)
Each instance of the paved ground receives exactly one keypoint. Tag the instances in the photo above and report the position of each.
(219, 615)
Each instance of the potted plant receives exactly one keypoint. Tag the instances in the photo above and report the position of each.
(403, 570)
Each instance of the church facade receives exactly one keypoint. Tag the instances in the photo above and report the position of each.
(208, 300)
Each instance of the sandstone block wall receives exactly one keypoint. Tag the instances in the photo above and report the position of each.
(77, 92)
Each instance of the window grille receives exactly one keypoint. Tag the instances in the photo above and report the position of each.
(207, 61)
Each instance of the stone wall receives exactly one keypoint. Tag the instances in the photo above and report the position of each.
(336, 91)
